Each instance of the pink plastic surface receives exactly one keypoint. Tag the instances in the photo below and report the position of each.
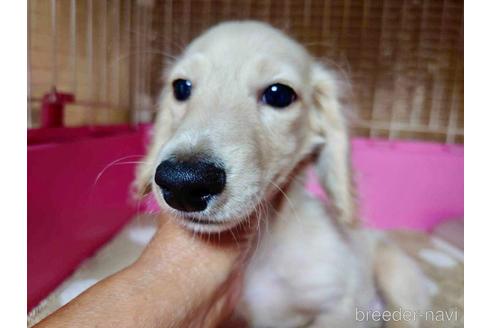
(403, 184)
(71, 213)
(412, 185)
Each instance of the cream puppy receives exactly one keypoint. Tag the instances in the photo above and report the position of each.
(244, 111)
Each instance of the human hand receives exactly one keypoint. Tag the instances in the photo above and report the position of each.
(180, 280)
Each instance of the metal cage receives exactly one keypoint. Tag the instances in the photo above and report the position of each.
(404, 58)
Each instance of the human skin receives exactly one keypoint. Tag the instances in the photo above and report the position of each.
(180, 280)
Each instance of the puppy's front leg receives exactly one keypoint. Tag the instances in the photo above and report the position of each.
(402, 285)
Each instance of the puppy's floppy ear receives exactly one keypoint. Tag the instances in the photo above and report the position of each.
(329, 123)
(145, 170)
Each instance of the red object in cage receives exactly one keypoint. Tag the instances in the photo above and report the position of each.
(53, 107)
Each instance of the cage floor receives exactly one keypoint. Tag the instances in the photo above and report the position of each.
(441, 262)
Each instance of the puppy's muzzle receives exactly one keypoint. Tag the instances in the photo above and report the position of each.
(189, 186)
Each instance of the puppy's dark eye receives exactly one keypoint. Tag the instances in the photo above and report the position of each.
(182, 89)
(278, 95)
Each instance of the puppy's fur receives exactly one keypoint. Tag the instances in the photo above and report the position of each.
(312, 265)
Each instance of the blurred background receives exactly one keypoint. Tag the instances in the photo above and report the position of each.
(404, 57)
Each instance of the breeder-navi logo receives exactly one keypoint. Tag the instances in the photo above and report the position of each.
(405, 315)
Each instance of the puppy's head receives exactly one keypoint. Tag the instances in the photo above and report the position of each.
(240, 109)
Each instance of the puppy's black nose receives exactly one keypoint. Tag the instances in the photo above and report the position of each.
(189, 185)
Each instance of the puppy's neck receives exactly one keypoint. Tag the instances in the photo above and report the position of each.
(291, 189)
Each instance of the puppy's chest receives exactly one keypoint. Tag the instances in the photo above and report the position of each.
(300, 263)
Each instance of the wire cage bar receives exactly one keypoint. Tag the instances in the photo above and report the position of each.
(404, 58)
(73, 44)
(29, 78)
(54, 43)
